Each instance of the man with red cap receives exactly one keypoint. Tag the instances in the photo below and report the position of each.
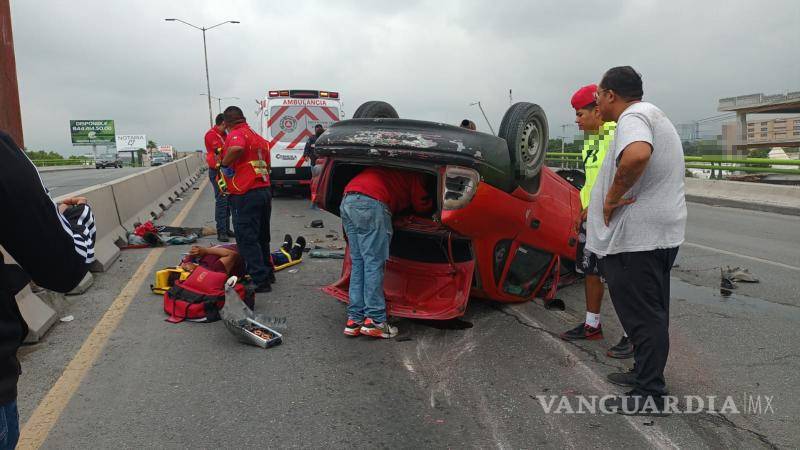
(598, 137)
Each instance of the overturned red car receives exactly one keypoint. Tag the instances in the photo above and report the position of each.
(503, 223)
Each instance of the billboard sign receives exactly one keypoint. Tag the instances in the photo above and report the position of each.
(92, 132)
(131, 142)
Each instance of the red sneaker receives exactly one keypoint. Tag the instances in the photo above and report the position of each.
(352, 328)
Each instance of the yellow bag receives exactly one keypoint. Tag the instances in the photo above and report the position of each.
(166, 278)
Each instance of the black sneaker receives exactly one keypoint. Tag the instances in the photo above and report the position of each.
(222, 237)
(633, 403)
(263, 287)
(287, 243)
(623, 349)
(583, 331)
(298, 248)
(626, 379)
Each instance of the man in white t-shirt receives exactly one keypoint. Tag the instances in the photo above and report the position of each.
(636, 221)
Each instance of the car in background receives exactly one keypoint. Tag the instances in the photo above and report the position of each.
(503, 224)
(160, 159)
(107, 160)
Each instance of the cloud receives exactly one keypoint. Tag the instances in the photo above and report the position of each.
(430, 59)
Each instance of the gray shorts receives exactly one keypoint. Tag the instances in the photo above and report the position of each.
(585, 261)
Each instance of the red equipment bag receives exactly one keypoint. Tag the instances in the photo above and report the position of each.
(199, 297)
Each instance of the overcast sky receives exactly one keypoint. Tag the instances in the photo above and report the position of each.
(101, 59)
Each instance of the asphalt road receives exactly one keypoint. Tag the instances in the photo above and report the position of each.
(66, 181)
(157, 384)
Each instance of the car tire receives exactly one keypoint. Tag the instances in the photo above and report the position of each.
(524, 128)
(574, 177)
(375, 110)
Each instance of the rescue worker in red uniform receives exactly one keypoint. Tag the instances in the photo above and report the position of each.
(370, 200)
(245, 166)
(215, 140)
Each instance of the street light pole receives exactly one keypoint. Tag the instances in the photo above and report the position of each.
(563, 135)
(205, 56)
(219, 100)
(484, 115)
(208, 82)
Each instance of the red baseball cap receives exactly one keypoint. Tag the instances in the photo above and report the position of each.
(584, 96)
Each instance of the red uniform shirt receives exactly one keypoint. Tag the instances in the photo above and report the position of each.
(398, 189)
(252, 166)
(214, 140)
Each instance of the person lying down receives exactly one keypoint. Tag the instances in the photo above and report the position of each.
(226, 258)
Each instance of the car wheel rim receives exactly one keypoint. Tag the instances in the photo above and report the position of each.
(530, 145)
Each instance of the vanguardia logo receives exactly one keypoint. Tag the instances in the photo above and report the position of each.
(750, 404)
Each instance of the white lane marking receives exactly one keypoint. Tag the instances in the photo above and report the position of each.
(739, 255)
(652, 434)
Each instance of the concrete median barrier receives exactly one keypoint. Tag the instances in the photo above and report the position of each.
(133, 196)
(753, 196)
(145, 196)
(104, 206)
(38, 314)
(116, 205)
(183, 169)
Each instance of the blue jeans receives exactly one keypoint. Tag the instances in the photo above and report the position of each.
(222, 212)
(368, 224)
(9, 426)
(251, 215)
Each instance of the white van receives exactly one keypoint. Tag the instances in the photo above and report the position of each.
(287, 120)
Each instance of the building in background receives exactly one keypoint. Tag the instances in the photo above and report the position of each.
(745, 134)
(688, 131)
(781, 132)
(773, 130)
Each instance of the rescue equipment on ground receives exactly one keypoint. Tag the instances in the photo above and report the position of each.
(201, 295)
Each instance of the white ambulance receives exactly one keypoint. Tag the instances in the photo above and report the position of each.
(287, 121)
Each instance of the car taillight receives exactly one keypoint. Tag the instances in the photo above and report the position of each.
(460, 185)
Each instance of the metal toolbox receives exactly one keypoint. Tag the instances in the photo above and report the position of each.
(239, 330)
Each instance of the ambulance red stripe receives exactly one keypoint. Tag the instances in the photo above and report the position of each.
(306, 111)
(277, 115)
(330, 113)
(300, 137)
(276, 139)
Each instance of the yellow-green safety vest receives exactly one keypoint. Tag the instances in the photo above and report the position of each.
(593, 153)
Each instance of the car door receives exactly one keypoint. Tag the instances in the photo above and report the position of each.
(525, 271)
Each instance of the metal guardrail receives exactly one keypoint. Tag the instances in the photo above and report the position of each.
(63, 162)
(75, 162)
(714, 163)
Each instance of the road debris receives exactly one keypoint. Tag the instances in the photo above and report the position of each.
(322, 253)
(739, 274)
